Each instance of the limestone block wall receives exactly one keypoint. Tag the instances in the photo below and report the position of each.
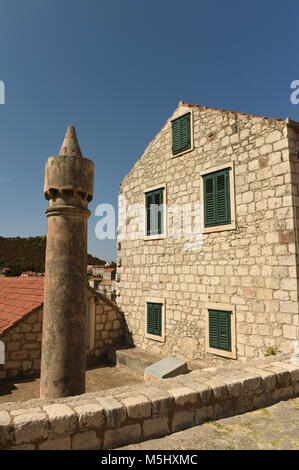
(109, 326)
(23, 347)
(105, 420)
(252, 268)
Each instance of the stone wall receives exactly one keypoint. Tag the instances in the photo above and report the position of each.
(23, 347)
(251, 268)
(105, 420)
(23, 340)
(109, 326)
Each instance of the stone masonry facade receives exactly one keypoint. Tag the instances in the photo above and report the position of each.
(251, 267)
(23, 340)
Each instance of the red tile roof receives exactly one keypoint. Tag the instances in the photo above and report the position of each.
(109, 270)
(18, 297)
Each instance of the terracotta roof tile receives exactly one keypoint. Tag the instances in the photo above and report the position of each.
(18, 297)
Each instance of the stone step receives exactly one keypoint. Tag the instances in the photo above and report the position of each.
(136, 358)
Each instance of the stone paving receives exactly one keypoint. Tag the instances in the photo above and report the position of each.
(100, 378)
(274, 427)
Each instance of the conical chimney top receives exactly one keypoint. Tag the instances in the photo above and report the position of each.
(70, 145)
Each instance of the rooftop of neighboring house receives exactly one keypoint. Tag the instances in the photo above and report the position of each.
(18, 297)
(109, 270)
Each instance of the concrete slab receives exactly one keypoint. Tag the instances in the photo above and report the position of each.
(135, 358)
(165, 368)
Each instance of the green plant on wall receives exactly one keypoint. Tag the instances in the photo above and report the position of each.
(271, 350)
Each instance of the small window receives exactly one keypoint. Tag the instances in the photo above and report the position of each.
(154, 212)
(217, 208)
(154, 319)
(181, 134)
(220, 329)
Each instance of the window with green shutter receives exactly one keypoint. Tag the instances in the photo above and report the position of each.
(217, 210)
(220, 329)
(154, 212)
(181, 134)
(154, 319)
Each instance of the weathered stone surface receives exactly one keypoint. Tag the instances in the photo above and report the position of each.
(124, 435)
(203, 414)
(68, 187)
(90, 416)
(161, 400)
(156, 426)
(5, 426)
(115, 411)
(137, 407)
(30, 426)
(61, 443)
(183, 419)
(183, 396)
(205, 392)
(62, 418)
(86, 440)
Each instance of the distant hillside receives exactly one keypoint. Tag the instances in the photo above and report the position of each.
(28, 254)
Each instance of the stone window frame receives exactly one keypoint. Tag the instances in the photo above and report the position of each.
(156, 300)
(232, 225)
(220, 352)
(183, 110)
(165, 220)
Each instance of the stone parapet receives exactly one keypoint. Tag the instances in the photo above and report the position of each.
(109, 419)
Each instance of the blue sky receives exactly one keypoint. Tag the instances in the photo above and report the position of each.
(117, 70)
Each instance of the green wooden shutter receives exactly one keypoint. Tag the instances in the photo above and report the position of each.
(148, 203)
(222, 197)
(181, 134)
(157, 319)
(154, 319)
(154, 213)
(175, 136)
(213, 327)
(220, 330)
(224, 331)
(158, 211)
(209, 200)
(216, 198)
(150, 326)
(185, 132)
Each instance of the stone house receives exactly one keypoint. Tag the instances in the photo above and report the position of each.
(109, 274)
(96, 270)
(21, 316)
(207, 237)
(4, 271)
(105, 287)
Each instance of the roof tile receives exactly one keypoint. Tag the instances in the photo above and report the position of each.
(18, 297)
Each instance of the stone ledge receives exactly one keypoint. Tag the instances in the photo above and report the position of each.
(109, 419)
